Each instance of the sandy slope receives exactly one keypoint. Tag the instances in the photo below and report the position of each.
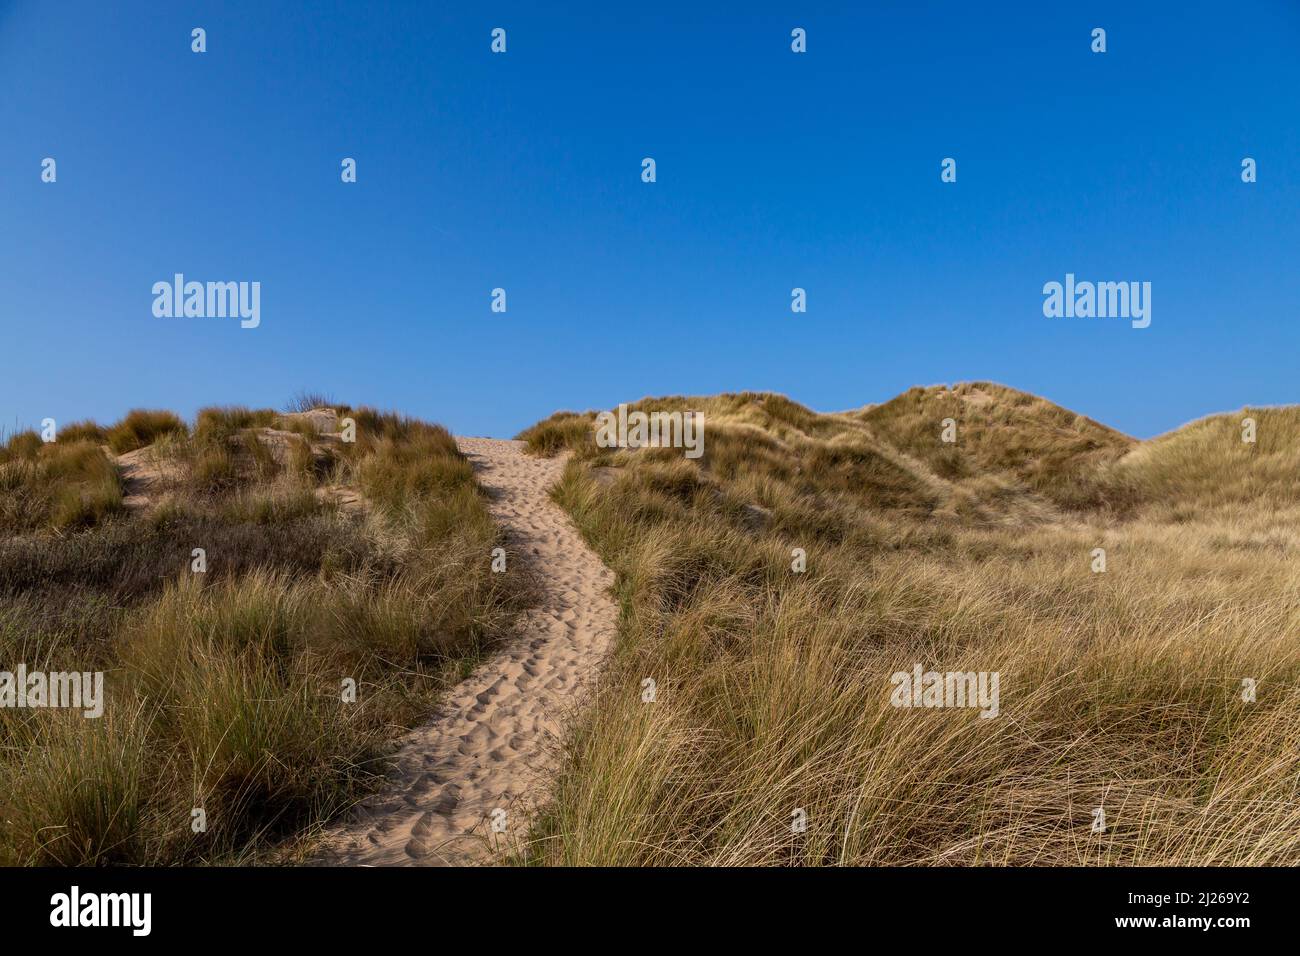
(144, 471)
(494, 741)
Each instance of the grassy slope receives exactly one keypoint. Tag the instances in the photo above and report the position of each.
(1206, 465)
(225, 687)
(1119, 690)
(1023, 441)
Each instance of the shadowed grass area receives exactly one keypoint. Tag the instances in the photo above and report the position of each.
(57, 485)
(773, 701)
(261, 695)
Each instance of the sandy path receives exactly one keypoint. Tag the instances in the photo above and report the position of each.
(494, 741)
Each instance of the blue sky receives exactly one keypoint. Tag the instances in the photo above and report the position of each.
(522, 171)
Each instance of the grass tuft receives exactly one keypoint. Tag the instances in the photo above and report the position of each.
(141, 428)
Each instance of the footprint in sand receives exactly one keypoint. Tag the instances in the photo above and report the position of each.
(492, 745)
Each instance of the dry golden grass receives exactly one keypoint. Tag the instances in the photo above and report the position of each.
(1120, 690)
(63, 485)
(225, 688)
(1206, 465)
(140, 428)
(1004, 434)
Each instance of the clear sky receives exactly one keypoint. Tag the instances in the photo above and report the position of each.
(523, 171)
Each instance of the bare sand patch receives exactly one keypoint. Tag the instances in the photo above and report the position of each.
(145, 473)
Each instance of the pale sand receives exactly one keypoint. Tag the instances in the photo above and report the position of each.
(495, 740)
(144, 472)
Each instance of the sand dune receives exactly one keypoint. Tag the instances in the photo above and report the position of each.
(495, 740)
